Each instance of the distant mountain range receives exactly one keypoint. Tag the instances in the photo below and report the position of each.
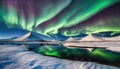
(18, 33)
(91, 37)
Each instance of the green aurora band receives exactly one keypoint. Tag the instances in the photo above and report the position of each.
(53, 17)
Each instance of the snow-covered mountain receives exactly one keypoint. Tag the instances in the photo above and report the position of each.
(28, 36)
(71, 39)
(23, 38)
(91, 37)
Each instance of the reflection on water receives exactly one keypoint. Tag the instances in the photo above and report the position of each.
(98, 55)
(19, 57)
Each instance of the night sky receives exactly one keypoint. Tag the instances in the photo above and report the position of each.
(65, 17)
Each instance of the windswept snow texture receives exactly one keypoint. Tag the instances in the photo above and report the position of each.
(18, 57)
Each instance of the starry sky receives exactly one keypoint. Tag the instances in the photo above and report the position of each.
(67, 17)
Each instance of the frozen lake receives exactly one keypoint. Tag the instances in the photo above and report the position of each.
(19, 57)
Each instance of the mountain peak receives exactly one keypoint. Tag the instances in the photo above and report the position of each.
(90, 37)
(22, 38)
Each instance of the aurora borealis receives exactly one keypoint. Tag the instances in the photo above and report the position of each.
(68, 17)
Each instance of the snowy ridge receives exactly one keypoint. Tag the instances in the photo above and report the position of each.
(111, 38)
(90, 37)
(23, 37)
(71, 39)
